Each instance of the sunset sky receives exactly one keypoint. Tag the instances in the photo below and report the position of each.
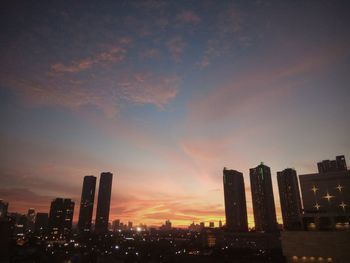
(165, 95)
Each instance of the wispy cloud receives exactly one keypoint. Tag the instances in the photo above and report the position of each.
(176, 47)
(146, 88)
(188, 16)
(116, 53)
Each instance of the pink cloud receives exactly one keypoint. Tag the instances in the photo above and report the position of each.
(114, 54)
(189, 17)
(176, 46)
(146, 88)
(253, 88)
(150, 53)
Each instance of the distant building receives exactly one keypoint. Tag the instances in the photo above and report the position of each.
(195, 227)
(61, 216)
(87, 204)
(262, 197)
(21, 223)
(290, 199)
(129, 225)
(3, 209)
(41, 223)
(235, 202)
(220, 224)
(116, 225)
(103, 202)
(211, 224)
(166, 226)
(30, 219)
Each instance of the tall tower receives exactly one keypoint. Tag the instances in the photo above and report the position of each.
(61, 216)
(262, 197)
(235, 203)
(87, 204)
(290, 199)
(103, 203)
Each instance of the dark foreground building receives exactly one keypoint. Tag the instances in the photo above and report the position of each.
(103, 203)
(262, 197)
(290, 199)
(326, 195)
(87, 204)
(235, 202)
(326, 218)
(61, 216)
(41, 223)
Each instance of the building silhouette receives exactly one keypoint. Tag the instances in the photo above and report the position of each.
(235, 202)
(326, 217)
(103, 203)
(337, 165)
(262, 197)
(87, 204)
(30, 219)
(326, 195)
(290, 199)
(61, 216)
(3, 209)
(41, 223)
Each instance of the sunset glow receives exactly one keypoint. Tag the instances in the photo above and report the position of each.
(165, 95)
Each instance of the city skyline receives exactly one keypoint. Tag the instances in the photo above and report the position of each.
(335, 172)
(164, 94)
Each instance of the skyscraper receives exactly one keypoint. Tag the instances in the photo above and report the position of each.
(262, 197)
(290, 199)
(61, 216)
(87, 204)
(103, 203)
(235, 202)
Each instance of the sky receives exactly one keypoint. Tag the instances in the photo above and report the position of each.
(165, 94)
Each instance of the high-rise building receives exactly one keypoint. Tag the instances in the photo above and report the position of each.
(61, 216)
(326, 195)
(3, 209)
(235, 202)
(103, 203)
(262, 197)
(290, 199)
(87, 204)
(41, 223)
(30, 219)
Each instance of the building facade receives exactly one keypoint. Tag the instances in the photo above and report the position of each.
(87, 204)
(61, 216)
(290, 199)
(326, 195)
(262, 198)
(235, 201)
(103, 203)
(41, 223)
